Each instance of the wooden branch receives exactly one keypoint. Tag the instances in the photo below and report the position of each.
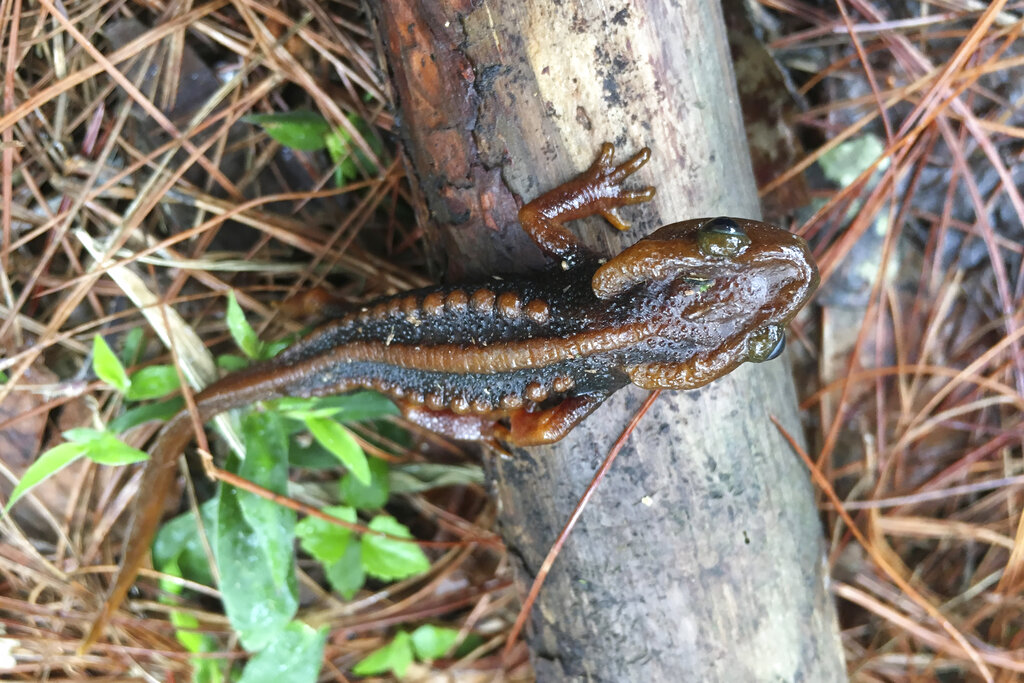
(701, 556)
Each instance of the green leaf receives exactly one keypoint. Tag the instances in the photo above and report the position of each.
(392, 431)
(367, 496)
(154, 381)
(338, 148)
(265, 452)
(433, 642)
(266, 464)
(300, 129)
(241, 331)
(109, 450)
(390, 559)
(362, 405)
(106, 365)
(209, 670)
(296, 407)
(191, 641)
(204, 669)
(164, 410)
(131, 347)
(325, 541)
(308, 413)
(341, 443)
(309, 454)
(346, 574)
(275, 347)
(170, 568)
(395, 657)
(424, 476)
(341, 148)
(83, 435)
(294, 656)
(179, 544)
(255, 539)
(103, 447)
(45, 466)
(232, 362)
(186, 631)
(185, 624)
(472, 642)
(257, 606)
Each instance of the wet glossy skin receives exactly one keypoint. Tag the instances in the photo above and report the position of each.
(522, 361)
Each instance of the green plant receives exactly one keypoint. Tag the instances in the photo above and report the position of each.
(253, 537)
(309, 131)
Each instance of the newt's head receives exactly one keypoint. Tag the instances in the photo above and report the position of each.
(725, 287)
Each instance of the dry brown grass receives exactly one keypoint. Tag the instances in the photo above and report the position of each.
(129, 183)
(920, 362)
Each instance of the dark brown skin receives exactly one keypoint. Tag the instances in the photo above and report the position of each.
(522, 361)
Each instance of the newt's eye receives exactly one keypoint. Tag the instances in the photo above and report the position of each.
(722, 237)
(766, 344)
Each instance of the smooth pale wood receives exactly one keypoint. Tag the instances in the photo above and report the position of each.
(700, 558)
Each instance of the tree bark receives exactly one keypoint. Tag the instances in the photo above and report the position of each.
(700, 557)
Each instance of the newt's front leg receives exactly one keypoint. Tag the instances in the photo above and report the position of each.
(598, 190)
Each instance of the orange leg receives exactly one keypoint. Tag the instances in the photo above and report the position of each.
(550, 425)
(525, 428)
(317, 302)
(598, 190)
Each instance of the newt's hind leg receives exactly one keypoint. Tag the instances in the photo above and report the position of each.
(598, 190)
(550, 425)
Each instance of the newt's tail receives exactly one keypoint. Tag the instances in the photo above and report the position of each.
(232, 391)
(157, 478)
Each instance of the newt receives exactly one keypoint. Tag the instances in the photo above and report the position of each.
(522, 360)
